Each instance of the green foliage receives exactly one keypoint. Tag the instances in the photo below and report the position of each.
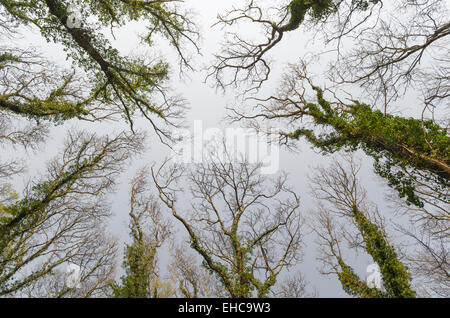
(7, 194)
(114, 79)
(240, 280)
(57, 106)
(18, 218)
(6, 58)
(352, 284)
(47, 109)
(395, 275)
(141, 279)
(24, 222)
(400, 146)
(138, 265)
(318, 9)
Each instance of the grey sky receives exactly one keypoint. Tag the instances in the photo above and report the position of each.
(209, 106)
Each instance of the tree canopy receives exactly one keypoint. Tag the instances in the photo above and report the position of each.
(371, 77)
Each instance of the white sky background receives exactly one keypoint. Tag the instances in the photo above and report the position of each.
(209, 106)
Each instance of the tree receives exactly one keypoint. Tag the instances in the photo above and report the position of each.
(245, 228)
(341, 194)
(389, 55)
(34, 88)
(114, 82)
(428, 229)
(403, 51)
(14, 134)
(247, 60)
(59, 219)
(429, 262)
(407, 151)
(102, 85)
(149, 231)
(190, 278)
(383, 62)
(293, 286)
(382, 59)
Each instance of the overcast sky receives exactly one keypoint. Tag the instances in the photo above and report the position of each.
(208, 105)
